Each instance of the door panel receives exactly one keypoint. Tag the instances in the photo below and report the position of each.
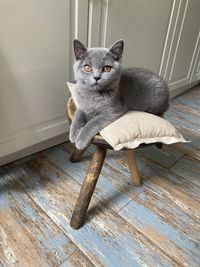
(143, 26)
(185, 46)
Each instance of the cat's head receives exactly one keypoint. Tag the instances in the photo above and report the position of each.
(97, 67)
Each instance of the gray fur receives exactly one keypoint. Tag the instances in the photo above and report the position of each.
(100, 102)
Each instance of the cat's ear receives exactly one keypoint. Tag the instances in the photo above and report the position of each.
(79, 49)
(117, 49)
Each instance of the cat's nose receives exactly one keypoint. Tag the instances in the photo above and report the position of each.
(96, 78)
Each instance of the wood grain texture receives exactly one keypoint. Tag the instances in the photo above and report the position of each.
(172, 209)
(166, 156)
(77, 259)
(154, 218)
(106, 237)
(192, 118)
(186, 121)
(28, 236)
(104, 190)
(193, 102)
(192, 148)
(189, 168)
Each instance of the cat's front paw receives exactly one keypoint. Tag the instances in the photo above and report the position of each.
(81, 144)
(72, 136)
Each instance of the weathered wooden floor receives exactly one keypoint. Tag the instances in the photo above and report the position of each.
(155, 225)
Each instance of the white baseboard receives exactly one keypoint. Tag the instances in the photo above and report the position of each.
(173, 93)
(33, 139)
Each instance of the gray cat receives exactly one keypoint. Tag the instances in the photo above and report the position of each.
(104, 91)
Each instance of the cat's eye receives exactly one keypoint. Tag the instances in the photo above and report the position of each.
(87, 68)
(107, 68)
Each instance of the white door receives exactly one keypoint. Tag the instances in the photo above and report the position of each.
(143, 25)
(195, 67)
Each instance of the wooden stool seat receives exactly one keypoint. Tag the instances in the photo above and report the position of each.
(94, 170)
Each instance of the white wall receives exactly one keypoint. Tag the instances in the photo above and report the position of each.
(34, 68)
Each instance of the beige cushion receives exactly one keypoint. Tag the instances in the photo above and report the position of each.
(136, 127)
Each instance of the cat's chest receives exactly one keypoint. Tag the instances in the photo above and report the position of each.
(90, 103)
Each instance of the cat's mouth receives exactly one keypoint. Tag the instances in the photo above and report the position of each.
(96, 85)
(96, 82)
(99, 85)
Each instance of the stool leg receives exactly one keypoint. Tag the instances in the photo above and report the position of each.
(130, 154)
(88, 187)
(76, 156)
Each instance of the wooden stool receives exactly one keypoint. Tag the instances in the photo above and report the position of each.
(94, 170)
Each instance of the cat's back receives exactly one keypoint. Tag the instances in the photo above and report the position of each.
(138, 76)
(141, 82)
(142, 89)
